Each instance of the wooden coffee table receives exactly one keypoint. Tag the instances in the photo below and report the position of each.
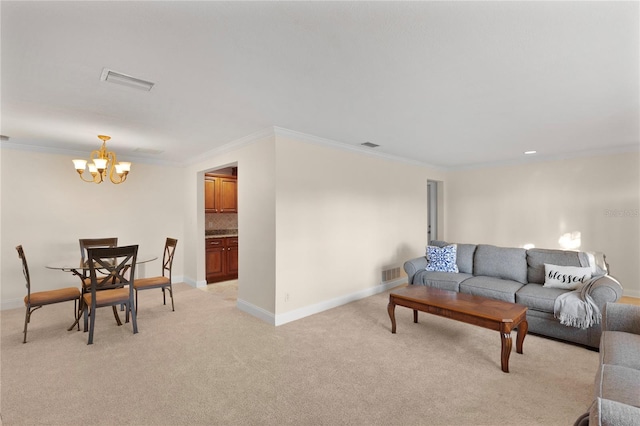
(484, 312)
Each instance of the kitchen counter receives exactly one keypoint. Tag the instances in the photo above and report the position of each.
(220, 233)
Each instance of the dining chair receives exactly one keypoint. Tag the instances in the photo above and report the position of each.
(163, 281)
(88, 243)
(36, 300)
(113, 288)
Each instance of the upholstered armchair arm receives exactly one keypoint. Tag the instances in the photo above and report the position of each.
(414, 265)
(621, 317)
(605, 289)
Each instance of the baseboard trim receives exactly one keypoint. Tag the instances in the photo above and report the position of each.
(190, 281)
(334, 303)
(255, 311)
(300, 313)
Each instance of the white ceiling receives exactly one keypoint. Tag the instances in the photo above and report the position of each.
(451, 84)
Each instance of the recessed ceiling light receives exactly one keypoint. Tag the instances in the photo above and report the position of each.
(370, 145)
(125, 80)
(530, 152)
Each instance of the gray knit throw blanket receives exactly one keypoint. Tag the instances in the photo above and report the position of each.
(576, 308)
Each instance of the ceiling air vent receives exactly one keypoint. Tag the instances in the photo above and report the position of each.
(125, 80)
(370, 145)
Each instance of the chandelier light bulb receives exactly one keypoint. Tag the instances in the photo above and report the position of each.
(80, 164)
(101, 163)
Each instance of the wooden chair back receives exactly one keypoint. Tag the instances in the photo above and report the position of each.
(112, 267)
(89, 243)
(25, 271)
(167, 257)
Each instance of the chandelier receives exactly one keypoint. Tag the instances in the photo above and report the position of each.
(103, 162)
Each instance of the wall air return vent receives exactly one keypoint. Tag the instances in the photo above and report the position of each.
(125, 80)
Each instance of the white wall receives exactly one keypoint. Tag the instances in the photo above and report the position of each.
(538, 202)
(316, 224)
(341, 218)
(47, 208)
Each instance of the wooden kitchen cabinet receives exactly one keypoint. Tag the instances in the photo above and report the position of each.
(220, 193)
(215, 263)
(222, 259)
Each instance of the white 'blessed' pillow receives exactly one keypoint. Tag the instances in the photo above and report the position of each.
(565, 277)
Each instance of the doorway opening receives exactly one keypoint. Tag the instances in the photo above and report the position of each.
(432, 210)
(221, 231)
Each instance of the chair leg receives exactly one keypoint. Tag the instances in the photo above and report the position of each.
(91, 325)
(76, 312)
(164, 298)
(170, 288)
(86, 318)
(136, 290)
(26, 321)
(132, 307)
(115, 314)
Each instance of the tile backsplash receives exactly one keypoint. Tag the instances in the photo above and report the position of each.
(220, 221)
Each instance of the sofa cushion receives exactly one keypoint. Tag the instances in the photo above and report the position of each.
(438, 243)
(442, 259)
(465, 257)
(501, 262)
(443, 280)
(536, 258)
(493, 288)
(618, 383)
(535, 296)
(620, 348)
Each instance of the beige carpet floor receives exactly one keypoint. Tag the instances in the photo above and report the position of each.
(207, 363)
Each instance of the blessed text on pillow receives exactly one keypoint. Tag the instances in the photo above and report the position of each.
(442, 259)
(565, 277)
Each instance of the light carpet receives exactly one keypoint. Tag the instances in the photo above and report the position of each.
(208, 363)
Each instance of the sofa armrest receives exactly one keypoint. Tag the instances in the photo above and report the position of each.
(605, 289)
(621, 317)
(414, 265)
(605, 412)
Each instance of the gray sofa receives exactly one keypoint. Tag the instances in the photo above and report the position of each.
(617, 383)
(517, 275)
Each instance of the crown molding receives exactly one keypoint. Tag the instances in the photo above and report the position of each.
(81, 154)
(233, 145)
(596, 152)
(282, 132)
(275, 131)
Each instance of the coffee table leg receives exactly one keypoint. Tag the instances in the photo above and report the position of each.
(506, 350)
(523, 327)
(391, 308)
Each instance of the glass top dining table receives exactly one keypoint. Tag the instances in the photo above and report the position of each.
(76, 265)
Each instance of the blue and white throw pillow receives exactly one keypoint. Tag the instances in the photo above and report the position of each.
(442, 259)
